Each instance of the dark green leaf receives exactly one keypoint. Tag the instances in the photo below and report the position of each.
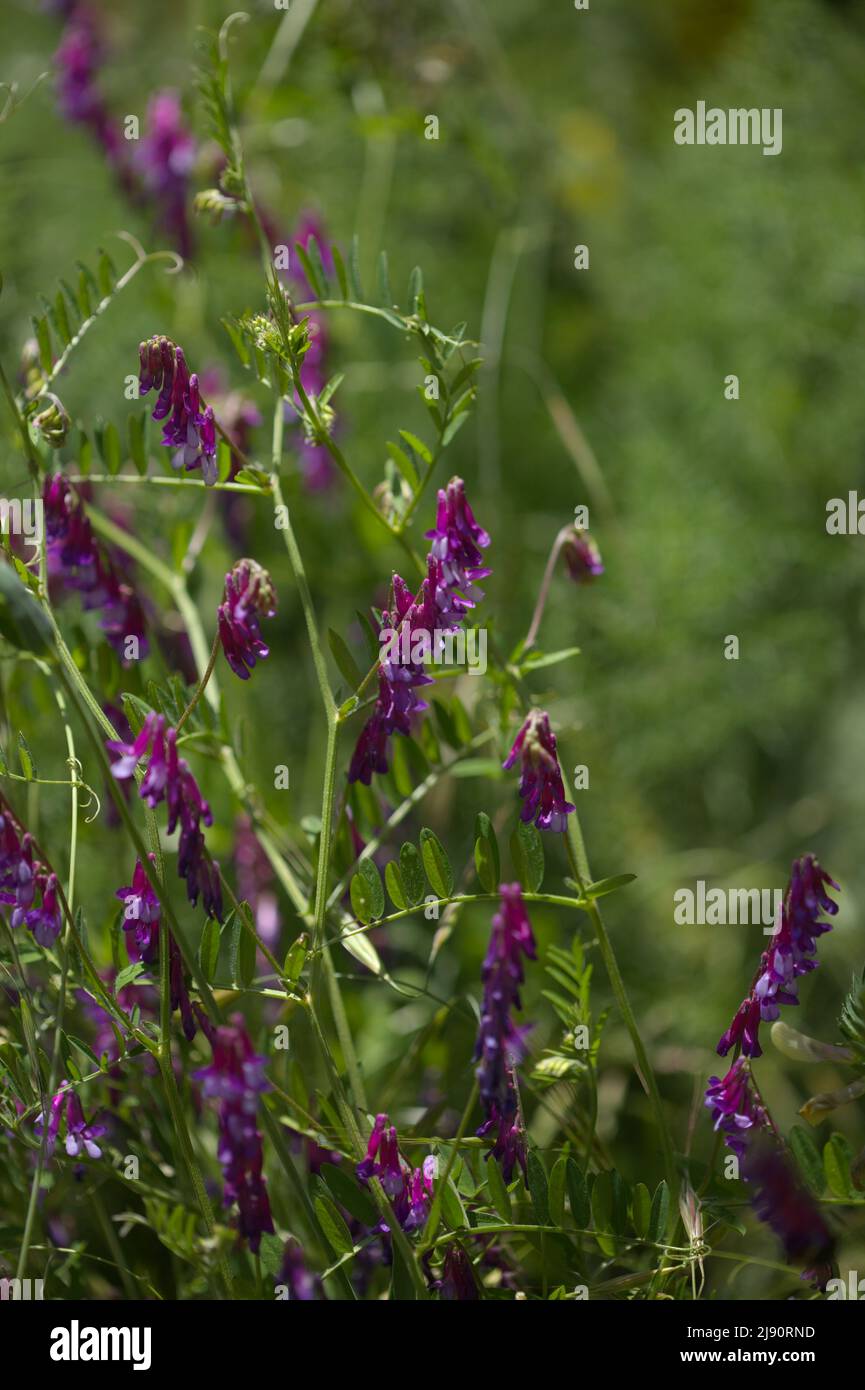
(367, 893)
(411, 869)
(578, 1194)
(242, 949)
(345, 661)
(499, 1195)
(348, 1192)
(25, 758)
(487, 863)
(660, 1213)
(538, 1187)
(603, 886)
(641, 1207)
(395, 886)
(527, 855)
(208, 949)
(436, 864)
(335, 1230)
(808, 1158)
(557, 1190)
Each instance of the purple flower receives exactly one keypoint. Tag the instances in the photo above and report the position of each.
(141, 912)
(164, 159)
(235, 1078)
(141, 924)
(409, 1189)
(79, 562)
(509, 1148)
(457, 541)
(78, 60)
(26, 885)
(785, 1204)
(46, 920)
(457, 1282)
(540, 775)
(169, 779)
(792, 953)
(736, 1110)
(501, 1042)
(190, 429)
(417, 624)
(249, 595)
(80, 1136)
(582, 556)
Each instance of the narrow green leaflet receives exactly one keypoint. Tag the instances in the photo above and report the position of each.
(436, 864)
(348, 667)
(487, 863)
(411, 869)
(395, 886)
(367, 893)
(527, 855)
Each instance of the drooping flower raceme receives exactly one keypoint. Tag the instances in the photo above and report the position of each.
(169, 779)
(500, 1042)
(235, 1078)
(785, 1204)
(79, 59)
(249, 596)
(791, 953)
(190, 427)
(419, 621)
(78, 561)
(141, 927)
(457, 542)
(164, 160)
(409, 1189)
(80, 1136)
(26, 885)
(541, 784)
(736, 1111)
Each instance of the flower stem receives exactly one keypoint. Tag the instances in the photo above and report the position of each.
(202, 684)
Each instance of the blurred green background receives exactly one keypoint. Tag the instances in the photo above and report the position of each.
(603, 386)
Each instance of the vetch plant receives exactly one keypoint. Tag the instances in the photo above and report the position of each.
(360, 1052)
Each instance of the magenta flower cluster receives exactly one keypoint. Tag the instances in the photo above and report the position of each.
(141, 927)
(249, 596)
(78, 561)
(448, 592)
(81, 1136)
(235, 1078)
(155, 170)
(541, 784)
(410, 1189)
(190, 427)
(791, 954)
(736, 1111)
(26, 885)
(169, 779)
(500, 1042)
